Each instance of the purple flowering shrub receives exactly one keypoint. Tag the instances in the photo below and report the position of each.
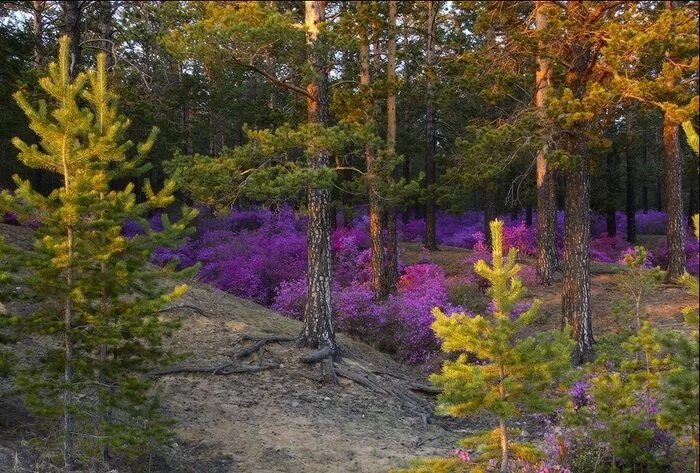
(606, 249)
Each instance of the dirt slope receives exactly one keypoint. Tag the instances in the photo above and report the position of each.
(278, 420)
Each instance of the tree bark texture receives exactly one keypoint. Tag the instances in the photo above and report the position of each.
(673, 180)
(378, 279)
(318, 328)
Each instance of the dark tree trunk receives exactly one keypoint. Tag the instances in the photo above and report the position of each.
(673, 180)
(576, 304)
(659, 194)
(37, 31)
(528, 215)
(392, 252)
(318, 328)
(489, 212)
(631, 174)
(430, 239)
(546, 190)
(106, 13)
(611, 221)
(645, 187)
(72, 13)
(692, 202)
(514, 213)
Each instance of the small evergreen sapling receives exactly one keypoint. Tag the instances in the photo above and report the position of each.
(515, 373)
(93, 286)
(680, 411)
(638, 281)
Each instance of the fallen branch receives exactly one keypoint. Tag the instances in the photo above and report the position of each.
(424, 389)
(219, 370)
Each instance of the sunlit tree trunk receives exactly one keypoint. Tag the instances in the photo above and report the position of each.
(546, 191)
(673, 187)
(318, 328)
(673, 179)
(378, 281)
(429, 239)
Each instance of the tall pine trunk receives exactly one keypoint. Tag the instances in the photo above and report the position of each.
(392, 251)
(430, 239)
(318, 328)
(576, 292)
(546, 190)
(576, 278)
(378, 281)
(673, 166)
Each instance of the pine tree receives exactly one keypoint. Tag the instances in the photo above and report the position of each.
(84, 269)
(515, 374)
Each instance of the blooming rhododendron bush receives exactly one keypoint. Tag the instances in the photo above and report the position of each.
(260, 254)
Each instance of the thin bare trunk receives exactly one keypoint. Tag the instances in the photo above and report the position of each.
(429, 239)
(106, 13)
(612, 186)
(72, 13)
(502, 425)
(68, 420)
(631, 175)
(392, 265)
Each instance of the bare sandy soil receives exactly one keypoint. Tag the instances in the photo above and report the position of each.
(282, 418)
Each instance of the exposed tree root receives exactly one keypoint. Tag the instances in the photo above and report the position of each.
(259, 341)
(318, 355)
(359, 379)
(193, 308)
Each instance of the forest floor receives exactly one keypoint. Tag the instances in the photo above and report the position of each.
(281, 418)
